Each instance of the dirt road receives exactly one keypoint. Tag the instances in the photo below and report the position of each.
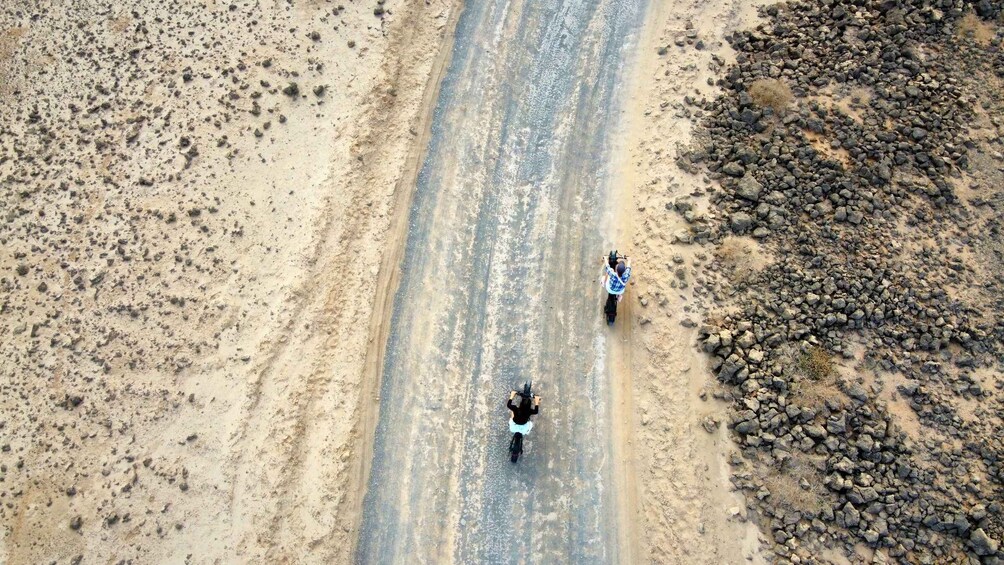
(499, 285)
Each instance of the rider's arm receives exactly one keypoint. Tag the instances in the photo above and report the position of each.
(510, 405)
(536, 405)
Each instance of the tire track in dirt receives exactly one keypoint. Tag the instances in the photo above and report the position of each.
(302, 412)
(498, 284)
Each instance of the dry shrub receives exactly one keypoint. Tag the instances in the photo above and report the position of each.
(796, 485)
(973, 27)
(771, 93)
(815, 394)
(740, 257)
(816, 381)
(816, 363)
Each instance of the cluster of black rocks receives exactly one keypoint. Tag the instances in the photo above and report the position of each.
(875, 242)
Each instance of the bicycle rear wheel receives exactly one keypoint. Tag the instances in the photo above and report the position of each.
(610, 309)
(515, 447)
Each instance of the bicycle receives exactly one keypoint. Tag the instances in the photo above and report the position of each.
(527, 402)
(610, 308)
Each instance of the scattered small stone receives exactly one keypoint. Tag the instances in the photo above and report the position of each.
(710, 424)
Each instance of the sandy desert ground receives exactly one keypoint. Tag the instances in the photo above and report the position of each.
(198, 201)
(253, 251)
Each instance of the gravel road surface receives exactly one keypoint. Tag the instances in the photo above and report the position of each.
(499, 285)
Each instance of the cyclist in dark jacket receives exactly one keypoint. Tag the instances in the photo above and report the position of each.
(520, 419)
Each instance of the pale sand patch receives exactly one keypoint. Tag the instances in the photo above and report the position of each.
(678, 497)
(221, 367)
(822, 144)
(741, 257)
